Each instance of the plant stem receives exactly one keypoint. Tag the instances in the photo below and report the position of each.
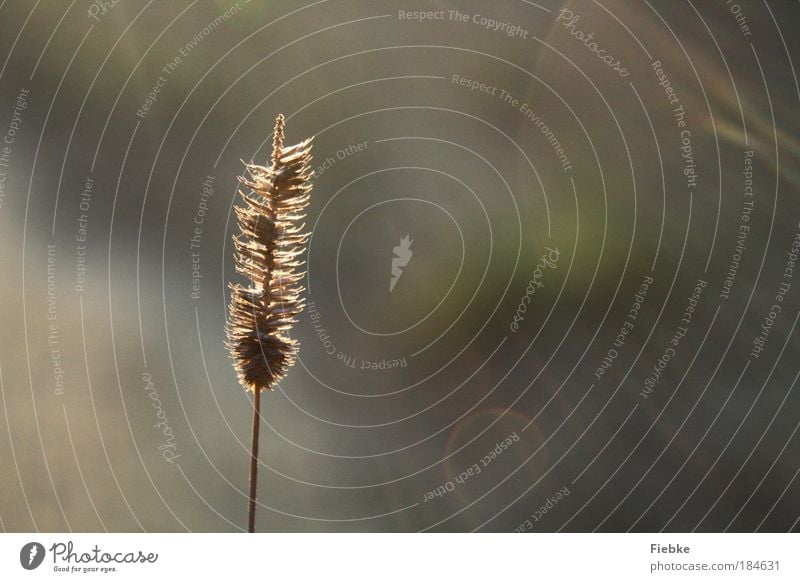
(254, 461)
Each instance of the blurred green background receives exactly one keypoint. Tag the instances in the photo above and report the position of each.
(480, 190)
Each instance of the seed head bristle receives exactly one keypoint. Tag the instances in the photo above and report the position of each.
(267, 252)
(277, 139)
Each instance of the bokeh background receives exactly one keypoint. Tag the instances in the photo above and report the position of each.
(427, 407)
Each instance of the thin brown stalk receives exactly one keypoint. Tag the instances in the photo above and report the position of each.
(251, 514)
